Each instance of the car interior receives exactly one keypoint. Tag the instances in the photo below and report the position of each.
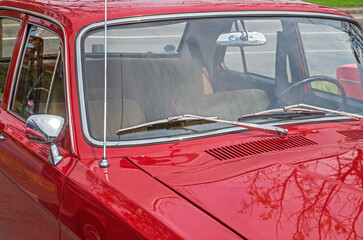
(199, 77)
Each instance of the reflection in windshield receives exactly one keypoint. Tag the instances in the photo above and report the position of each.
(163, 69)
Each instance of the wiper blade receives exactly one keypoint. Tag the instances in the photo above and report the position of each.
(299, 109)
(355, 116)
(166, 121)
(280, 114)
(189, 117)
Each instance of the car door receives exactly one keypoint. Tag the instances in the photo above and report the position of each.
(31, 187)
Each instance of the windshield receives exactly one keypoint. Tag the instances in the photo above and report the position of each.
(217, 67)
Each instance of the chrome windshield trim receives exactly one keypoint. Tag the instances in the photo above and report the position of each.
(66, 67)
(228, 130)
(180, 16)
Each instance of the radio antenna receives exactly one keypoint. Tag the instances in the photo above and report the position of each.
(104, 162)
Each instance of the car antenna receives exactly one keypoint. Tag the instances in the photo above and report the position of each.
(104, 162)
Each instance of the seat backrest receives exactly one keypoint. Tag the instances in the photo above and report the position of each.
(229, 105)
(152, 82)
(120, 114)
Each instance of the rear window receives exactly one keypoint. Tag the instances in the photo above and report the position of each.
(9, 29)
(163, 38)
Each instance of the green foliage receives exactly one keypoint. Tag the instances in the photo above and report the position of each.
(325, 86)
(338, 3)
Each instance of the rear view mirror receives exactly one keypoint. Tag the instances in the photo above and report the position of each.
(241, 39)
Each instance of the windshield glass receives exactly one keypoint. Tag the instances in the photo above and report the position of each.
(217, 67)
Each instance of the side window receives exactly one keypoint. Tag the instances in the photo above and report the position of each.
(258, 59)
(40, 87)
(9, 29)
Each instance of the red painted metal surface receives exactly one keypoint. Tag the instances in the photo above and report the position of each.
(317, 199)
(31, 188)
(178, 190)
(348, 76)
(76, 13)
(131, 204)
(314, 193)
(309, 191)
(34, 185)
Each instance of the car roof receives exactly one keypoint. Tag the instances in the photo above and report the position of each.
(81, 13)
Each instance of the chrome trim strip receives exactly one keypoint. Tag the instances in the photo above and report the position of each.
(66, 67)
(216, 15)
(350, 81)
(180, 16)
(17, 115)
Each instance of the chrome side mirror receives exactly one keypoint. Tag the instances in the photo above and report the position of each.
(45, 128)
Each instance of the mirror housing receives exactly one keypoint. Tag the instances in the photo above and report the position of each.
(241, 39)
(45, 128)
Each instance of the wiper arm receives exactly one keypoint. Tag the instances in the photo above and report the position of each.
(298, 109)
(358, 117)
(189, 117)
(166, 121)
(280, 114)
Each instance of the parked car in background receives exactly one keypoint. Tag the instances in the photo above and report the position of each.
(225, 120)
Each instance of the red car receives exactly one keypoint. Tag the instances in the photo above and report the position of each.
(225, 120)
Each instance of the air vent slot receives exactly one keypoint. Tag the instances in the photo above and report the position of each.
(354, 134)
(258, 147)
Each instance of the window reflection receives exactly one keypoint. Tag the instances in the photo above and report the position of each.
(41, 86)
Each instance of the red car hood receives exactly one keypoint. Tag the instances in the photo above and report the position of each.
(310, 187)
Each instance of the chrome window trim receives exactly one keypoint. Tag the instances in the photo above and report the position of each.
(15, 84)
(181, 16)
(65, 60)
(16, 76)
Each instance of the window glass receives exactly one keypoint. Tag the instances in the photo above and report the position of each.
(163, 38)
(233, 59)
(145, 84)
(40, 87)
(8, 32)
(325, 59)
(259, 59)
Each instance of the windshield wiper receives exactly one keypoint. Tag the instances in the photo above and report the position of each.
(302, 109)
(189, 117)
(281, 114)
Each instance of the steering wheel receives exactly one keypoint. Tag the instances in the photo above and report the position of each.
(30, 103)
(314, 79)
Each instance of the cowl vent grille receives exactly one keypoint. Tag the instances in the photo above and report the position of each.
(258, 147)
(354, 134)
